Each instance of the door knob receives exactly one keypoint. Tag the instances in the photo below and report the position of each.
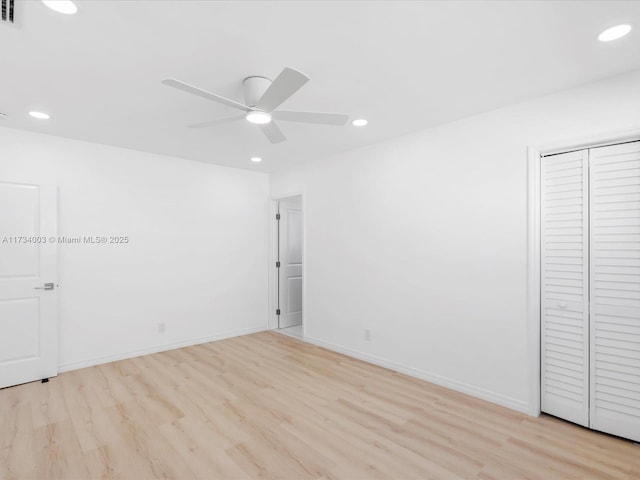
(47, 286)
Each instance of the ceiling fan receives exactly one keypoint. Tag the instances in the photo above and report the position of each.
(262, 97)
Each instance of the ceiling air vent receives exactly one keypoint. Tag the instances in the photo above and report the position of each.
(8, 8)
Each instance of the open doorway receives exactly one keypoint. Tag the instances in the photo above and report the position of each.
(289, 265)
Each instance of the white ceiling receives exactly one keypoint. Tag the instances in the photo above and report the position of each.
(402, 65)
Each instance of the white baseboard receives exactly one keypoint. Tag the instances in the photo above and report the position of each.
(493, 397)
(67, 367)
(483, 394)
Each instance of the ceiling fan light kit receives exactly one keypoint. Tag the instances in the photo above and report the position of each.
(254, 88)
(262, 97)
(258, 117)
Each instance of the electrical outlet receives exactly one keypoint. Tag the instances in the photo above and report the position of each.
(367, 334)
(162, 327)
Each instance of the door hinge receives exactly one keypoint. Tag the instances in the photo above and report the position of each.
(278, 311)
(277, 216)
(277, 264)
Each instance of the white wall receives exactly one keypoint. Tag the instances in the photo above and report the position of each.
(197, 254)
(423, 240)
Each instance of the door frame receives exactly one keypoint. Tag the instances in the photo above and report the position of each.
(534, 153)
(272, 318)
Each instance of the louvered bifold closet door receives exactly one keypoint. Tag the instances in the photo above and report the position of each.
(565, 286)
(615, 289)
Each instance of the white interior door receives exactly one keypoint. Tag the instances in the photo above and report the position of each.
(615, 289)
(290, 262)
(28, 312)
(565, 286)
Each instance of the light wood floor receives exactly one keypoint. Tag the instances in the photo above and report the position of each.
(270, 406)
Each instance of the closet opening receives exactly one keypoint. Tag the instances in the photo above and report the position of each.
(584, 273)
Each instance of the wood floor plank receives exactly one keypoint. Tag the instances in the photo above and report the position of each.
(58, 452)
(202, 448)
(270, 406)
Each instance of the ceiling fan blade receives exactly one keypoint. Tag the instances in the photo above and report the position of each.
(219, 121)
(286, 84)
(185, 87)
(312, 117)
(273, 132)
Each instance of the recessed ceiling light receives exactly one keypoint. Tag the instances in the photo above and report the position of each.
(359, 122)
(62, 6)
(256, 159)
(40, 115)
(259, 117)
(614, 33)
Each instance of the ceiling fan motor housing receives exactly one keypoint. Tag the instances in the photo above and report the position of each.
(254, 88)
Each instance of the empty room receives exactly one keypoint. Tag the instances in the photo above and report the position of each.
(313, 240)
